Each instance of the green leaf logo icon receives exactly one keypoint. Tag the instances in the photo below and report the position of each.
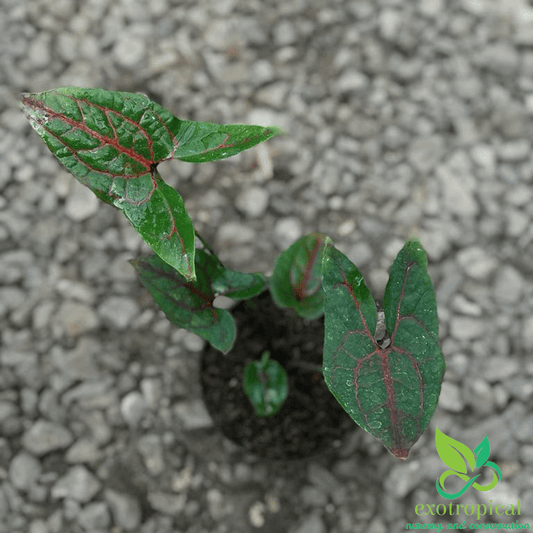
(462, 462)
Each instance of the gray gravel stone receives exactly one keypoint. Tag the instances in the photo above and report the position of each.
(24, 471)
(425, 153)
(126, 509)
(321, 477)
(253, 201)
(118, 311)
(167, 503)
(151, 449)
(81, 203)
(94, 517)
(451, 397)
(39, 51)
(311, 524)
(501, 57)
(458, 192)
(133, 408)
(509, 286)
(480, 395)
(44, 436)
(232, 233)
(523, 430)
(83, 450)
(352, 80)
(286, 231)
(78, 484)
(284, 33)
(527, 333)
(404, 478)
(514, 151)
(129, 51)
(467, 328)
(79, 363)
(74, 319)
(476, 262)
(7, 410)
(193, 415)
(500, 368)
(390, 23)
(273, 95)
(520, 387)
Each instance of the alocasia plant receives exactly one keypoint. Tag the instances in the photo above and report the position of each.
(113, 142)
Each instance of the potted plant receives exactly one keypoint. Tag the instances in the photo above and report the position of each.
(385, 374)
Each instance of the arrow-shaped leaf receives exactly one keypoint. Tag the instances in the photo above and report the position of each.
(188, 304)
(296, 281)
(389, 389)
(112, 142)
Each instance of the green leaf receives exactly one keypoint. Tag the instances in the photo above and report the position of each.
(199, 142)
(296, 281)
(390, 388)
(109, 140)
(266, 385)
(188, 304)
(112, 142)
(164, 225)
(237, 285)
(454, 454)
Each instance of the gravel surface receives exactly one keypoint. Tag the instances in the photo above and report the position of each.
(399, 116)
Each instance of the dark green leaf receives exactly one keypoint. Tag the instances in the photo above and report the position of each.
(389, 388)
(112, 142)
(188, 304)
(296, 281)
(165, 225)
(238, 285)
(200, 142)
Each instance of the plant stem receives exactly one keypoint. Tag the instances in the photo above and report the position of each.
(207, 247)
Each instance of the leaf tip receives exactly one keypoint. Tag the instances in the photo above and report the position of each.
(400, 453)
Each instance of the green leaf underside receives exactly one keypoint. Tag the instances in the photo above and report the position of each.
(188, 304)
(296, 280)
(112, 142)
(234, 284)
(391, 392)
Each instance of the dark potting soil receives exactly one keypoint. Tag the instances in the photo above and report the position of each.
(310, 421)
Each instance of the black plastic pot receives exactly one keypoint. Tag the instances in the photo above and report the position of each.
(311, 422)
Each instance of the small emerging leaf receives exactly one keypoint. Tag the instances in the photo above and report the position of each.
(266, 385)
(296, 281)
(389, 389)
